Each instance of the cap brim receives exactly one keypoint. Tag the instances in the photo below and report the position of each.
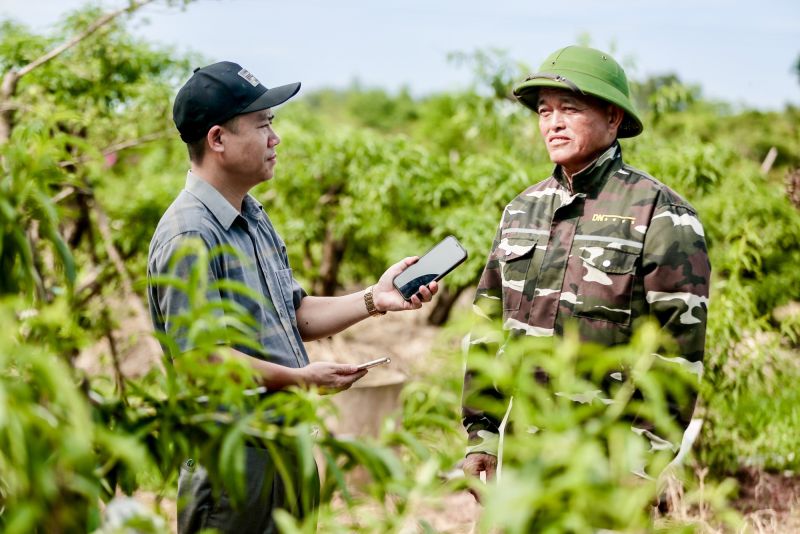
(273, 97)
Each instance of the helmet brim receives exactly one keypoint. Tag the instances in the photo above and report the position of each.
(527, 93)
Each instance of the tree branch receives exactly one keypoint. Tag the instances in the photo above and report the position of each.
(130, 143)
(92, 28)
(8, 87)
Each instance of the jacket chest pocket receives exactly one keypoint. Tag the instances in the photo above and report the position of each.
(606, 285)
(518, 270)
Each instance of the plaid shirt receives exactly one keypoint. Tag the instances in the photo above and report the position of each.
(200, 211)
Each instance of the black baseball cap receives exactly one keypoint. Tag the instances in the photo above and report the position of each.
(219, 92)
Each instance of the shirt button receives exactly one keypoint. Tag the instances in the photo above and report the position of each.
(606, 263)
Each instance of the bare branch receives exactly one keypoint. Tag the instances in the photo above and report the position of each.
(10, 106)
(90, 282)
(128, 294)
(130, 143)
(136, 142)
(104, 226)
(92, 28)
(63, 194)
(119, 378)
(8, 87)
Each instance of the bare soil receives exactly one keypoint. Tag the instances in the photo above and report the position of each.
(770, 501)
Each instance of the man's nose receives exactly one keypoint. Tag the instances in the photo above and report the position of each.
(274, 139)
(555, 120)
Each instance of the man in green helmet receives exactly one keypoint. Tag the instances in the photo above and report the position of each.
(598, 243)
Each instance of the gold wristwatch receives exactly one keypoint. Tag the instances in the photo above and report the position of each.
(370, 304)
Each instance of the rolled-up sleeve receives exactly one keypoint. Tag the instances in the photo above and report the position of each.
(298, 293)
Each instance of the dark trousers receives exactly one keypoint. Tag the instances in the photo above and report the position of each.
(265, 491)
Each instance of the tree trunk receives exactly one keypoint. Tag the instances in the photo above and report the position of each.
(308, 258)
(332, 253)
(445, 300)
(793, 187)
(332, 248)
(8, 89)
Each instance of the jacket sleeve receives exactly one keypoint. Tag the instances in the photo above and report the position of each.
(677, 276)
(485, 337)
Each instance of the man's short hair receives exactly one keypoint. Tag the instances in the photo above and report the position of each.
(197, 149)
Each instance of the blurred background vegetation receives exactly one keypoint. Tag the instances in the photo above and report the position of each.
(89, 160)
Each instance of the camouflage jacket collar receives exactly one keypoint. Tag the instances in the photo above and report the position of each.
(592, 178)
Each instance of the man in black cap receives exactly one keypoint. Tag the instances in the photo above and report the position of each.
(223, 114)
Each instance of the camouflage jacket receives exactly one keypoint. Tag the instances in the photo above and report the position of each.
(620, 245)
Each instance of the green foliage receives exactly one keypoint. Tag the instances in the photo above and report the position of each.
(366, 177)
(736, 437)
(199, 405)
(570, 466)
(110, 89)
(47, 458)
(358, 106)
(663, 94)
(27, 212)
(353, 202)
(752, 231)
(493, 70)
(574, 473)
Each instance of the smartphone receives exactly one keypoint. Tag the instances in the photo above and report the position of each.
(373, 363)
(437, 262)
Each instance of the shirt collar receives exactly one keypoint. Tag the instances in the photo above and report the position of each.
(251, 207)
(217, 204)
(595, 174)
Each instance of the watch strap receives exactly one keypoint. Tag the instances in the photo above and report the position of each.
(369, 302)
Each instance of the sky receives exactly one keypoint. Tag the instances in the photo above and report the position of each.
(738, 52)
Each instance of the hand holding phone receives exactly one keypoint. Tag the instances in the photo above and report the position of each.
(437, 262)
(373, 363)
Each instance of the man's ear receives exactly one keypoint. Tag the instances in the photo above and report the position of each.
(615, 116)
(214, 139)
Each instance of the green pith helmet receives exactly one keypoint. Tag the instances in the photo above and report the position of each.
(587, 71)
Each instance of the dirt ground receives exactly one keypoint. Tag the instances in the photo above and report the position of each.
(770, 503)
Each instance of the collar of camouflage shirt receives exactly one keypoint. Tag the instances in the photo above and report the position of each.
(591, 179)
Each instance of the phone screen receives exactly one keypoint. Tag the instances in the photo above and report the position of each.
(436, 263)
